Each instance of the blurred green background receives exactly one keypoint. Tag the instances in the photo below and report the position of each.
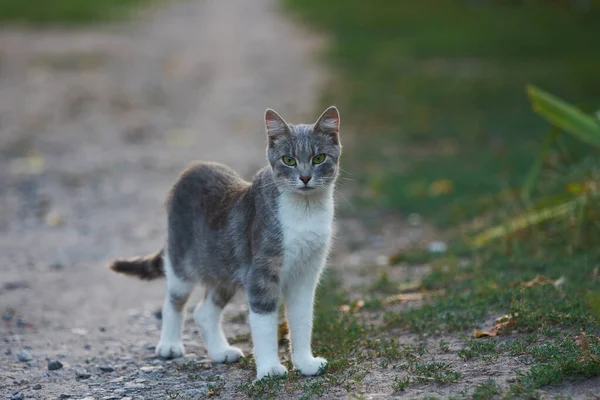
(436, 93)
(64, 12)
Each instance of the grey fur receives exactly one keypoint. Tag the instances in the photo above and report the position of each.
(225, 232)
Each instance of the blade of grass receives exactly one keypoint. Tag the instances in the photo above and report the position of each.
(564, 116)
(534, 172)
(524, 221)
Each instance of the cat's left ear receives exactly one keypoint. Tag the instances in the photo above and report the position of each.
(329, 122)
(275, 125)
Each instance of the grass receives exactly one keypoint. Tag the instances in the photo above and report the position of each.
(64, 12)
(436, 93)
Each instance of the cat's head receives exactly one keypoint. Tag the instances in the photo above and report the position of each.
(304, 158)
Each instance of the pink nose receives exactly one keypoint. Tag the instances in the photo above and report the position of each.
(305, 179)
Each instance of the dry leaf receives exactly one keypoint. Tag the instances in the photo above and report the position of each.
(356, 306)
(415, 296)
(54, 219)
(502, 323)
(439, 187)
(541, 280)
(583, 342)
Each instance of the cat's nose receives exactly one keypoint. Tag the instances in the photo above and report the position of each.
(305, 179)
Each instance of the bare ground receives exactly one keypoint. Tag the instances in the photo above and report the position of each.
(95, 126)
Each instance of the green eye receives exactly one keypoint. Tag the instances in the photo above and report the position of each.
(287, 160)
(318, 159)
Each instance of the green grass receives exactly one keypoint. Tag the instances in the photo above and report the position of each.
(64, 12)
(436, 93)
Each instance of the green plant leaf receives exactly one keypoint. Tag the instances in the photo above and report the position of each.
(534, 172)
(565, 116)
(526, 220)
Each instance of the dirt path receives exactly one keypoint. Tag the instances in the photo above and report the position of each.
(95, 126)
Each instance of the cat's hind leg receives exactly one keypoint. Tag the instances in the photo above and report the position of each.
(208, 317)
(178, 292)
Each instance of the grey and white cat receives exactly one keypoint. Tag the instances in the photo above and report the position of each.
(270, 237)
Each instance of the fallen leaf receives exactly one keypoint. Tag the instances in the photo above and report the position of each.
(283, 333)
(356, 306)
(583, 342)
(54, 219)
(502, 323)
(441, 186)
(414, 296)
(540, 280)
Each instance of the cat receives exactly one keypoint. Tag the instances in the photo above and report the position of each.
(270, 237)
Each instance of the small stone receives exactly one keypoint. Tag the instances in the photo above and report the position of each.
(151, 369)
(87, 347)
(438, 247)
(37, 386)
(127, 398)
(102, 329)
(32, 363)
(158, 314)
(65, 396)
(53, 365)
(133, 385)
(15, 285)
(24, 356)
(18, 396)
(7, 352)
(83, 374)
(106, 368)
(56, 266)
(120, 391)
(110, 398)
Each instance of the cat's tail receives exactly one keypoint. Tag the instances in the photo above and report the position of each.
(146, 268)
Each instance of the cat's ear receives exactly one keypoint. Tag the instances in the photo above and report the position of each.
(329, 121)
(275, 124)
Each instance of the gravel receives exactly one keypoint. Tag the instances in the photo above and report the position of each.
(24, 356)
(54, 365)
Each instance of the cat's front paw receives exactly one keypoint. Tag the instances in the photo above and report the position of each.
(169, 349)
(311, 366)
(271, 370)
(227, 355)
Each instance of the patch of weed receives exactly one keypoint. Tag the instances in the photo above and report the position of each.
(486, 390)
(484, 349)
(64, 12)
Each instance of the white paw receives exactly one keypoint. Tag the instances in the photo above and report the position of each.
(170, 349)
(272, 371)
(228, 355)
(311, 366)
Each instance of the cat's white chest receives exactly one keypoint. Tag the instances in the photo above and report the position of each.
(307, 229)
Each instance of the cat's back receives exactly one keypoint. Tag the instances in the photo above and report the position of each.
(206, 185)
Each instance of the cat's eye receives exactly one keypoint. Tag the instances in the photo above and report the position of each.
(287, 160)
(318, 159)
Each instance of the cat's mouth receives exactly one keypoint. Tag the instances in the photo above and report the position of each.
(306, 189)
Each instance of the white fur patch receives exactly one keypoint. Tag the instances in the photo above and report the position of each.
(307, 229)
(307, 226)
(208, 318)
(264, 337)
(170, 345)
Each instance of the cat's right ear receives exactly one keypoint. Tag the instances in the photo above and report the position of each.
(275, 125)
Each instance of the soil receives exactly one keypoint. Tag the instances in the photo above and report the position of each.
(95, 126)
